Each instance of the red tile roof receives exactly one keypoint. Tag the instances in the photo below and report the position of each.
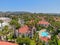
(43, 22)
(44, 39)
(24, 29)
(7, 43)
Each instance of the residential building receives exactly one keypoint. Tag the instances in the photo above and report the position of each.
(5, 22)
(26, 31)
(43, 23)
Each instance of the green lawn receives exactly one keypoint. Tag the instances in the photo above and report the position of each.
(58, 42)
(32, 42)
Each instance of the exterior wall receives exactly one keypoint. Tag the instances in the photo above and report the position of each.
(5, 19)
(23, 35)
(44, 25)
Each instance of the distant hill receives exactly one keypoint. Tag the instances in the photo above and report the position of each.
(24, 12)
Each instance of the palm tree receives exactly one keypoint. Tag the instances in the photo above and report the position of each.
(5, 32)
(15, 25)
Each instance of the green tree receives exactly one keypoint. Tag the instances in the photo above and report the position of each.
(15, 25)
(22, 41)
(5, 32)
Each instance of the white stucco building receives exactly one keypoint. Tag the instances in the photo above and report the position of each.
(5, 20)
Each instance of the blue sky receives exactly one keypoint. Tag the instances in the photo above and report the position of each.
(42, 6)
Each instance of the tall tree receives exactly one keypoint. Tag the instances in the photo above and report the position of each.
(4, 33)
(15, 25)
